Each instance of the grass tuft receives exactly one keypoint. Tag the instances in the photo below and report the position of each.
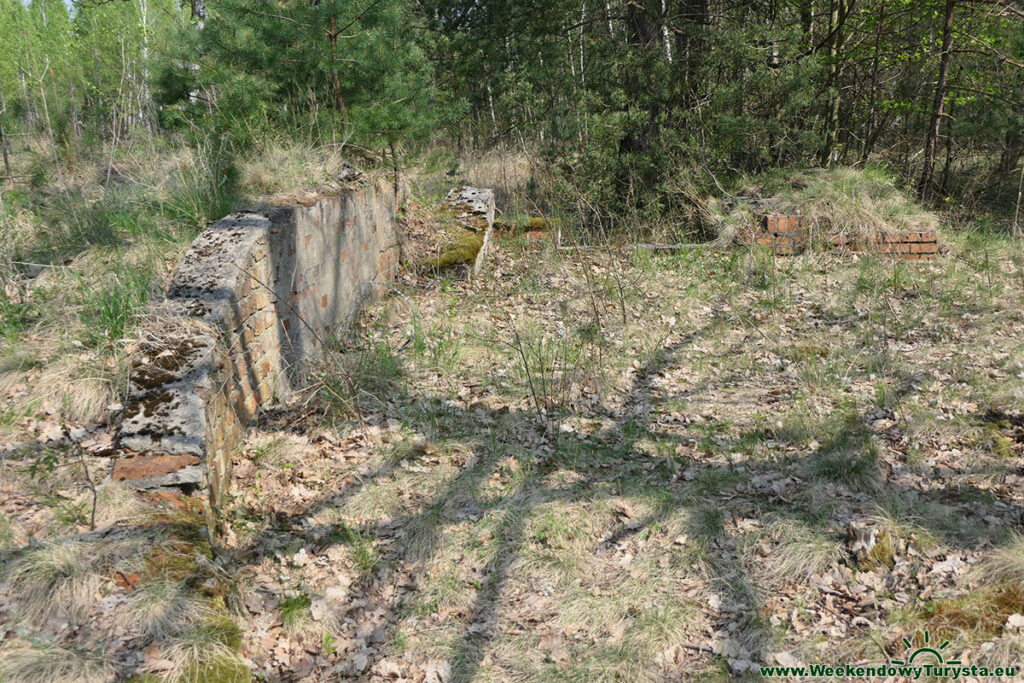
(161, 609)
(57, 576)
(799, 552)
(47, 663)
(110, 310)
(8, 535)
(206, 653)
(848, 454)
(349, 381)
(295, 612)
(1006, 563)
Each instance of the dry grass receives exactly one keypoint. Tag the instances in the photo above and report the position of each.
(51, 664)
(281, 170)
(862, 205)
(856, 203)
(116, 503)
(56, 577)
(10, 533)
(162, 609)
(1007, 652)
(798, 552)
(508, 171)
(974, 617)
(80, 390)
(206, 652)
(1006, 563)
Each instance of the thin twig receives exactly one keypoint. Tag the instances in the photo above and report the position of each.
(526, 367)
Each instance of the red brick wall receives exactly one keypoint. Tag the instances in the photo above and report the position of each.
(906, 245)
(787, 235)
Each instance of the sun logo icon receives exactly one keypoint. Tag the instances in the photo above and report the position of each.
(925, 649)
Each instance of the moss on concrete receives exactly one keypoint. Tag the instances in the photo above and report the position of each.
(461, 250)
(542, 223)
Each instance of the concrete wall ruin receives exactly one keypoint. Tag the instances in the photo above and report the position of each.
(256, 294)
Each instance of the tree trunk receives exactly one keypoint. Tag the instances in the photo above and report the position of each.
(1011, 152)
(807, 21)
(5, 144)
(198, 8)
(924, 187)
(643, 34)
(947, 167)
(332, 34)
(871, 120)
(394, 168)
(691, 43)
(1017, 232)
(837, 18)
(145, 100)
(198, 14)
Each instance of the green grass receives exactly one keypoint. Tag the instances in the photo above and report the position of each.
(858, 470)
(295, 611)
(364, 551)
(6, 532)
(110, 309)
(707, 524)
(15, 316)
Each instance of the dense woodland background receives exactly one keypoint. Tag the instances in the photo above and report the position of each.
(634, 109)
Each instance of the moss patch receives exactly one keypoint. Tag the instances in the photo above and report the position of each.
(882, 554)
(981, 613)
(186, 538)
(542, 223)
(994, 440)
(460, 251)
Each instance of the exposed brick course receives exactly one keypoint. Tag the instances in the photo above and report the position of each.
(148, 466)
(786, 235)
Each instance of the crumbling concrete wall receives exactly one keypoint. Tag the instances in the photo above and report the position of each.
(255, 294)
(473, 207)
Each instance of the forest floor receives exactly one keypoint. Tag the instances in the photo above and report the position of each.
(582, 466)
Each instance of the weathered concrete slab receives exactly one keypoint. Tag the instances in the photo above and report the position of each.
(474, 207)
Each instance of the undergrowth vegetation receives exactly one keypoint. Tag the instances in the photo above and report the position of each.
(862, 205)
(634, 446)
(86, 251)
(655, 460)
